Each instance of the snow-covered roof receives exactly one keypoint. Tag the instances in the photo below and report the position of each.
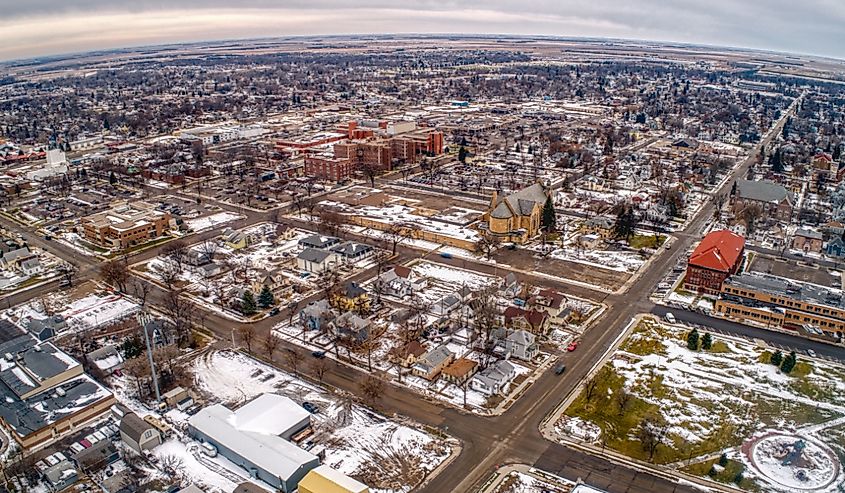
(257, 442)
(270, 414)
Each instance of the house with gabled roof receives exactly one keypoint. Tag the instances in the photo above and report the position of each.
(430, 364)
(717, 257)
(534, 321)
(494, 379)
(516, 217)
(400, 281)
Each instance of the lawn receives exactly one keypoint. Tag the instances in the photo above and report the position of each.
(724, 474)
(704, 401)
(646, 241)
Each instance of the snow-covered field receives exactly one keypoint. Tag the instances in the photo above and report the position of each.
(444, 280)
(212, 221)
(621, 261)
(702, 393)
(387, 455)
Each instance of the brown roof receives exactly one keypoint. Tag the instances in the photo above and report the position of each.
(412, 348)
(460, 367)
(533, 317)
(402, 271)
(553, 296)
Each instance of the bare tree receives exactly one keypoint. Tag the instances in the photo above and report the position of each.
(623, 400)
(115, 273)
(293, 358)
(399, 232)
(68, 272)
(180, 311)
(168, 273)
(208, 249)
(176, 251)
(372, 388)
(331, 221)
(590, 386)
(320, 366)
(653, 432)
(141, 289)
(370, 172)
(487, 244)
(247, 335)
(271, 343)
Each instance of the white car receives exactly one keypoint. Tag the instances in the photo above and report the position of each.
(811, 353)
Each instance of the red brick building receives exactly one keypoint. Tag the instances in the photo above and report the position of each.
(328, 168)
(718, 256)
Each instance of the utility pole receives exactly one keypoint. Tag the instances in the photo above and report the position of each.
(144, 318)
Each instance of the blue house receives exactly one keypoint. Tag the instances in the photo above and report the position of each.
(317, 315)
(835, 247)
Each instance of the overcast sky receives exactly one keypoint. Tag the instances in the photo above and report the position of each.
(40, 27)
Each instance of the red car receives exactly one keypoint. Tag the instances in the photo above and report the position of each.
(572, 346)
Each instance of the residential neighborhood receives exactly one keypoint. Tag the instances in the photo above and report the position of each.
(426, 263)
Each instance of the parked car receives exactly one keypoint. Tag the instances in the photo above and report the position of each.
(319, 354)
(670, 318)
(311, 408)
(572, 346)
(274, 311)
(811, 353)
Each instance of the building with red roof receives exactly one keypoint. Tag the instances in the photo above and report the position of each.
(718, 256)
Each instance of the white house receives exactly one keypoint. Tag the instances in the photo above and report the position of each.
(315, 261)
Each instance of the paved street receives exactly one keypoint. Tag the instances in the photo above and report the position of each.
(513, 436)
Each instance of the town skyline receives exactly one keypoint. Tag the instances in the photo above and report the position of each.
(46, 28)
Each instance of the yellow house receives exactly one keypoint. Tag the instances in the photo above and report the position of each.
(517, 216)
(324, 479)
(351, 297)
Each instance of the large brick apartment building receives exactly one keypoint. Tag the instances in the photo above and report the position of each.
(718, 256)
(379, 148)
(125, 225)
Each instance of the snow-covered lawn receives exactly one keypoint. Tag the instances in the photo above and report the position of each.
(212, 221)
(388, 455)
(710, 400)
(444, 280)
(616, 260)
(520, 482)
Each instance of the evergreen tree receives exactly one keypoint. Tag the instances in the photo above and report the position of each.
(462, 154)
(692, 340)
(248, 303)
(549, 219)
(723, 460)
(706, 341)
(266, 298)
(777, 162)
(112, 178)
(789, 363)
(626, 223)
(776, 358)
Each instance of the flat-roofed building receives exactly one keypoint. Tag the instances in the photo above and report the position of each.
(779, 302)
(256, 436)
(324, 479)
(125, 225)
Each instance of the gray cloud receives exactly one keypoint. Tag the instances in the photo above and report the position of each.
(32, 27)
